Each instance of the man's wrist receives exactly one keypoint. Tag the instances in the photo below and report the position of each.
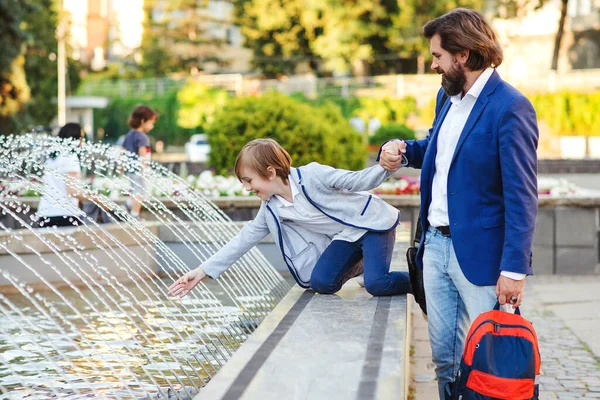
(516, 276)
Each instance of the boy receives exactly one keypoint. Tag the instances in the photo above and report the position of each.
(320, 218)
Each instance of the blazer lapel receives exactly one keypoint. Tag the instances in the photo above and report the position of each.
(480, 104)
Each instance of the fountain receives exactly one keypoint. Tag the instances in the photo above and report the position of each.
(83, 309)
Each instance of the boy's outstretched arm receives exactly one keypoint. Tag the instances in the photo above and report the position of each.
(252, 233)
(354, 181)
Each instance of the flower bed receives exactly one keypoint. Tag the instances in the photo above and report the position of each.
(217, 186)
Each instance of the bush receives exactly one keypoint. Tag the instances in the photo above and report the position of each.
(198, 105)
(571, 114)
(308, 133)
(392, 131)
(386, 110)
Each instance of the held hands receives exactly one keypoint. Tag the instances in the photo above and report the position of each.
(507, 290)
(391, 155)
(187, 282)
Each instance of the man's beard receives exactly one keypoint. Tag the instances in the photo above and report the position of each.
(454, 80)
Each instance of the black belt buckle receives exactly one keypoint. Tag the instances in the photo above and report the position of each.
(444, 230)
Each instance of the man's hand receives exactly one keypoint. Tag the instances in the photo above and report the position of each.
(391, 155)
(508, 290)
(187, 282)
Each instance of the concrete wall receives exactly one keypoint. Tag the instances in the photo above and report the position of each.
(566, 241)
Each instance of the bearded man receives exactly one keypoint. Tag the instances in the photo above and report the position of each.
(478, 186)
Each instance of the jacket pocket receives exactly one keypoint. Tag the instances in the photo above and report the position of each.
(492, 221)
(366, 205)
(304, 262)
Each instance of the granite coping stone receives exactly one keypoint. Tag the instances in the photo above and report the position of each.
(344, 346)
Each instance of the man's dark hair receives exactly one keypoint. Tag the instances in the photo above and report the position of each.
(72, 130)
(141, 114)
(464, 29)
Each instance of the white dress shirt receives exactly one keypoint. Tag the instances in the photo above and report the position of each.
(448, 136)
(309, 217)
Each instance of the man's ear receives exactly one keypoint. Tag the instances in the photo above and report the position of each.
(463, 56)
(271, 172)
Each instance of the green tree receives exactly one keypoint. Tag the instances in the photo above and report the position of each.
(356, 30)
(279, 32)
(40, 64)
(175, 36)
(14, 91)
(341, 33)
(29, 79)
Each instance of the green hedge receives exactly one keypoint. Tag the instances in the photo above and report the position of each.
(387, 110)
(114, 118)
(182, 113)
(307, 132)
(392, 131)
(570, 114)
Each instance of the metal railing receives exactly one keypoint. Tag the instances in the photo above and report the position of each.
(422, 87)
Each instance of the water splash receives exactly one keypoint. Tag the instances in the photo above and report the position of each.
(83, 310)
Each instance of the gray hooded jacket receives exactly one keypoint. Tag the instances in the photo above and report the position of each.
(337, 193)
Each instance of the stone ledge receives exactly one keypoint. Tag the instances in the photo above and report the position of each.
(587, 201)
(85, 237)
(345, 346)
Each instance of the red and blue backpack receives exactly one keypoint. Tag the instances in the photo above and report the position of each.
(501, 359)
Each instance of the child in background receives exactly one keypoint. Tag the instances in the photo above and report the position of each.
(136, 141)
(54, 209)
(320, 218)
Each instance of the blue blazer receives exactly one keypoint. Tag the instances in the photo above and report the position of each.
(492, 183)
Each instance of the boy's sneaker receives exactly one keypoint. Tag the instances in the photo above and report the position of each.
(356, 270)
(360, 279)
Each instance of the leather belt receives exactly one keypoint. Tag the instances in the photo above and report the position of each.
(444, 230)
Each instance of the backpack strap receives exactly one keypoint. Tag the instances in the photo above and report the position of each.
(497, 308)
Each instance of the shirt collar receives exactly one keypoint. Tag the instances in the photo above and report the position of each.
(477, 87)
(283, 202)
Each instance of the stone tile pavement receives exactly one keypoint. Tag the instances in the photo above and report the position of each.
(565, 311)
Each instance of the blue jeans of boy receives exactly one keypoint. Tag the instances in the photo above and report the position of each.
(375, 248)
(452, 304)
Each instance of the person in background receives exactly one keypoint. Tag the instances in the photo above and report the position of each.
(57, 202)
(137, 142)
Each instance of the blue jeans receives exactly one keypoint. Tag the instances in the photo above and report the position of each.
(452, 304)
(375, 248)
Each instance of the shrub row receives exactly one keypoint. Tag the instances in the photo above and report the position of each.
(567, 113)
(308, 133)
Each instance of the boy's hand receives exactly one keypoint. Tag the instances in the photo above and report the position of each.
(391, 155)
(187, 282)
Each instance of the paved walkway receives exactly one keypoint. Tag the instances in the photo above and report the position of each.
(565, 312)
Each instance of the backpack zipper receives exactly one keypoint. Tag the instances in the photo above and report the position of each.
(497, 328)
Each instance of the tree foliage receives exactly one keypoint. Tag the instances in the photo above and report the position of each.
(339, 32)
(279, 32)
(176, 37)
(14, 91)
(40, 63)
(29, 78)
